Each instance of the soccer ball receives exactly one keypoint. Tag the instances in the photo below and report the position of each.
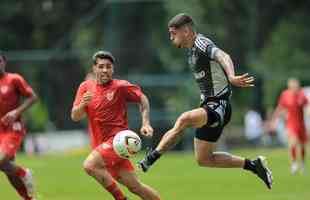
(126, 143)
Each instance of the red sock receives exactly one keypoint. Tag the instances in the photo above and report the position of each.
(293, 153)
(20, 172)
(23, 193)
(303, 153)
(116, 192)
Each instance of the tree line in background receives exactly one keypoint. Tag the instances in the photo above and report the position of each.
(51, 42)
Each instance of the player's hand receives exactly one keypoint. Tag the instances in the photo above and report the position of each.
(147, 130)
(87, 96)
(273, 125)
(10, 117)
(243, 80)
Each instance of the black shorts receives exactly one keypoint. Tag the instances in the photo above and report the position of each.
(219, 114)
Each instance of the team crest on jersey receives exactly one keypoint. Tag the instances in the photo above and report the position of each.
(110, 95)
(4, 89)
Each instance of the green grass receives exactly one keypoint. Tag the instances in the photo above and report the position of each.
(175, 176)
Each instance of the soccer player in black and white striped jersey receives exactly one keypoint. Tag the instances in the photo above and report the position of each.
(214, 73)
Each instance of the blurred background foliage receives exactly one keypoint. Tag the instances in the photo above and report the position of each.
(51, 42)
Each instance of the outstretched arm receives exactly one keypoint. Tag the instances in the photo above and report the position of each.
(225, 61)
(144, 107)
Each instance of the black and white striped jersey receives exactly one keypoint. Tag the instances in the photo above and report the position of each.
(210, 75)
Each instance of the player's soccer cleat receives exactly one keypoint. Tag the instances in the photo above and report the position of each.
(28, 182)
(302, 168)
(149, 159)
(294, 168)
(144, 164)
(262, 171)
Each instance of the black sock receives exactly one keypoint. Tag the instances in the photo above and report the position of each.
(153, 156)
(249, 165)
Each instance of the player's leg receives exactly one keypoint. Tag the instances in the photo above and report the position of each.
(19, 177)
(194, 118)
(95, 166)
(303, 145)
(292, 144)
(206, 156)
(134, 185)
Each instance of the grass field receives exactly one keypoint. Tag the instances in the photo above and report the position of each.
(175, 176)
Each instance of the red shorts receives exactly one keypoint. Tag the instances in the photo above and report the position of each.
(113, 162)
(10, 142)
(300, 134)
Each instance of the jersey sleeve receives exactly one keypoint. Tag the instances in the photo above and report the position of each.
(79, 94)
(22, 86)
(206, 46)
(132, 92)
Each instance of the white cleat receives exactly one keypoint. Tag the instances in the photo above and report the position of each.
(294, 168)
(302, 168)
(28, 182)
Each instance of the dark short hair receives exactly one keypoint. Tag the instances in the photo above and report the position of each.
(103, 55)
(2, 54)
(180, 20)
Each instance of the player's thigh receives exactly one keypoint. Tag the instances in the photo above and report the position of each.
(292, 138)
(203, 149)
(10, 143)
(94, 160)
(196, 117)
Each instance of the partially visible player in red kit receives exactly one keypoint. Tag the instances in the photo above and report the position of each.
(104, 100)
(293, 101)
(12, 88)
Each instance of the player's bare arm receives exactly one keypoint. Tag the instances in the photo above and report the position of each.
(11, 116)
(276, 115)
(78, 112)
(144, 107)
(225, 61)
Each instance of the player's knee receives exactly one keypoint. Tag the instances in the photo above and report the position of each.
(89, 167)
(206, 161)
(135, 188)
(185, 119)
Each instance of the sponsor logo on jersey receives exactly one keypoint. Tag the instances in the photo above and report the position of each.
(110, 95)
(199, 75)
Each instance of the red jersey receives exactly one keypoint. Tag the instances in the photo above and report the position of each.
(294, 104)
(107, 110)
(12, 88)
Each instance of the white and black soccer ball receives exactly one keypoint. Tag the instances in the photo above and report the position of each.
(126, 143)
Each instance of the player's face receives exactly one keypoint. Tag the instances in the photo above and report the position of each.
(2, 65)
(178, 36)
(293, 84)
(103, 70)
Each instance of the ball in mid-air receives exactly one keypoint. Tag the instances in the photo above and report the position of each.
(126, 143)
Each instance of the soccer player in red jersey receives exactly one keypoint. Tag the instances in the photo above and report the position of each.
(12, 131)
(104, 100)
(293, 101)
